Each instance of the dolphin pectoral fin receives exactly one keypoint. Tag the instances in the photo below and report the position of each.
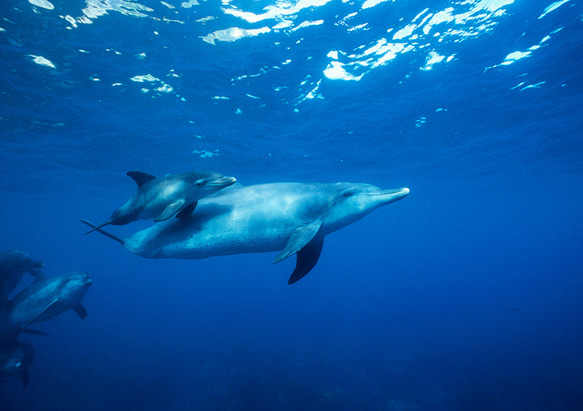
(38, 275)
(36, 317)
(187, 211)
(105, 233)
(140, 177)
(33, 332)
(307, 258)
(24, 376)
(298, 240)
(170, 211)
(81, 311)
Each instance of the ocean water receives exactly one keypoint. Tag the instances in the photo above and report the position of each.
(466, 295)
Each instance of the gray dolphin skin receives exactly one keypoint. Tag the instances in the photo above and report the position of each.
(292, 218)
(13, 265)
(160, 198)
(15, 358)
(48, 298)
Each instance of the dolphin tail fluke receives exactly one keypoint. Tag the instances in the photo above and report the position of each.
(96, 227)
(99, 230)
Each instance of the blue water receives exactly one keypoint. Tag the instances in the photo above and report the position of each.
(466, 295)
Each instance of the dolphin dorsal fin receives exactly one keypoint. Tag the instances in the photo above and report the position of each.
(140, 177)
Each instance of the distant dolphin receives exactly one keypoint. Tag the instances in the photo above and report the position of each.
(48, 298)
(15, 358)
(9, 331)
(291, 217)
(162, 197)
(13, 265)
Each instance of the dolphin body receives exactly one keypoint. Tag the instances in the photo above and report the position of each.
(13, 265)
(8, 331)
(15, 358)
(48, 298)
(160, 198)
(292, 218)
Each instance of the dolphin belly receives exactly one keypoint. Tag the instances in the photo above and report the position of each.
(197, 237)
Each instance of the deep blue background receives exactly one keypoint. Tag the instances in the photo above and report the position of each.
(467, 294)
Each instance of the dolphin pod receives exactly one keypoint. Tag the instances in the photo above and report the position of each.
(292, 218)
(41, 300)
(289, 218)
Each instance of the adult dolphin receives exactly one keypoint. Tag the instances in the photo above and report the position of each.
(291, 217)
(48, 298)
(13, 265)
(162, 197)
(15, 358)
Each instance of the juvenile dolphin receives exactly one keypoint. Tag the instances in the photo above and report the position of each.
(292, 218)
(49, 298)
(15, 358)
(162, 197)
(13, 265)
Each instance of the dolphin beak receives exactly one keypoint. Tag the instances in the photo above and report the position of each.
(393, 195)
(223, 181)
(402, 192)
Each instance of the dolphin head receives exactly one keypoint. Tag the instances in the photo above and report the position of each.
(75, 285)
(17, 357)
(354, 201)
(35, 268)
(208, 182)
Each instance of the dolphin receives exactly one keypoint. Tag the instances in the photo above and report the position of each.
(48, 298)
(13, 265)
(8, 331)
(15, 358)
(162, 197)
(292, 218)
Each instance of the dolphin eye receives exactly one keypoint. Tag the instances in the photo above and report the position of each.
(348, 193)
(200, 183)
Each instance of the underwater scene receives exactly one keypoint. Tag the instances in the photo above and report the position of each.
(291, 205)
